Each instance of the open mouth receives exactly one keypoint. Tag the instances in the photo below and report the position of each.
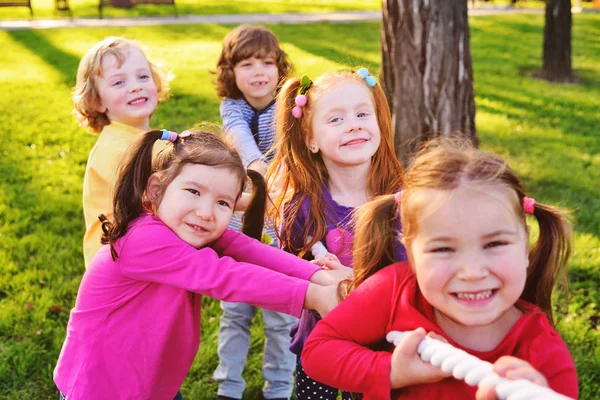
(475, 296)
(139, 100)
(259, 84)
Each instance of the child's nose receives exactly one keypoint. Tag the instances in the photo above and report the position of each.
(354, 124)
(472, 268)
(204, 211)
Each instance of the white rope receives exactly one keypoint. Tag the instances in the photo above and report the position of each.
(474, 371)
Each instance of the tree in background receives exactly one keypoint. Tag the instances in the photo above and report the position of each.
(426, 71)
(556, 65)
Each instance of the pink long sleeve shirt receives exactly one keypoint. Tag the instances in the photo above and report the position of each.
(135, 328)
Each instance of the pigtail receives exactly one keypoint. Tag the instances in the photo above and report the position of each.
(253, 220)
(548, 257)
(133, 175)
(374, 238)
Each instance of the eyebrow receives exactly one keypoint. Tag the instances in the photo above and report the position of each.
(143, 69)
(498, 232)
(359, 105)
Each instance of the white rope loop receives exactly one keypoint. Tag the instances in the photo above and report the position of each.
(476, 372)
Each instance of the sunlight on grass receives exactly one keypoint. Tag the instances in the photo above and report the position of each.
(89, 8)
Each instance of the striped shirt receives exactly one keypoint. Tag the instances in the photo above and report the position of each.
(253, 133)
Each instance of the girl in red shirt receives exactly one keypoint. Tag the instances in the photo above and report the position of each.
(473, 278)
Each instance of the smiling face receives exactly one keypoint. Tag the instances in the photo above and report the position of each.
(198, 203)
(344, 125)
(257, 79)
(470, 256)
(127, 92)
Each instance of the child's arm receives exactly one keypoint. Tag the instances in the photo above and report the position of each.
(152, 252)
(337, 352)
(234, 123)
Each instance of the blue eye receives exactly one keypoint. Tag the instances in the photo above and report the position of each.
(145, 77)
(193, 191)
(362, 114)
(118, 83)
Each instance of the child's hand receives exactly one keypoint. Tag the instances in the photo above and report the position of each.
(511, 368)
(326, 277)
(329, 261)
(322, 299)
(408, 368)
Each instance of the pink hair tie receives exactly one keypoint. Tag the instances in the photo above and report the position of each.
(398, 196)
(300, 101)
(528, 204)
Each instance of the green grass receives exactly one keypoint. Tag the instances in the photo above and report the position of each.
(548, 132)
(89, 8)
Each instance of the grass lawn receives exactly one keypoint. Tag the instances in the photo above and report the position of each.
(89, 8)
(548, 132)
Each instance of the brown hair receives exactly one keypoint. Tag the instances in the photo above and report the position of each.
(201, 147)
(446, 164)
(86, 98)
(244, 42)
(301, 173)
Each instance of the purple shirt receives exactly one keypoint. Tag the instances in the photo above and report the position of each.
(135, 327)
(339, 241)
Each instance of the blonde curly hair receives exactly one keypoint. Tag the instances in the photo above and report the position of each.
(86, 98)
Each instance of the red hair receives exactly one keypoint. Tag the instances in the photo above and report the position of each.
(300, 174)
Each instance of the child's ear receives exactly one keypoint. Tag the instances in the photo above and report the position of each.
(101, 109)
(153, 189)
(312, 147)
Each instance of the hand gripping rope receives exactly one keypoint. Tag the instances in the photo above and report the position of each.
(474, 371)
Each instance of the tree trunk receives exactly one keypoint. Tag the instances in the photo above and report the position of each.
(426, 71)
(557, 42)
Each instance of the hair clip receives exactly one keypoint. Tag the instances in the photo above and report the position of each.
(300, 100)
(528, 204)
(369, 79)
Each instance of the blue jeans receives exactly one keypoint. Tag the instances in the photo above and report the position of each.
(234, 342)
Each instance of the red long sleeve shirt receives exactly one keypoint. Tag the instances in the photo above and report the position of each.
(339, 352)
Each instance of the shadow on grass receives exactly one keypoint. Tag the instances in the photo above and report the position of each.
(38, 44)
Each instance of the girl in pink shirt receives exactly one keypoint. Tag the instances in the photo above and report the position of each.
(476, 281)
(135, 327)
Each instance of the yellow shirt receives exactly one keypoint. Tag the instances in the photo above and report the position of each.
(99, 180)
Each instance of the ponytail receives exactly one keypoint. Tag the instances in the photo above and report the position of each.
(548, 257)
(254, 217)
(133, 175)
(374, 238)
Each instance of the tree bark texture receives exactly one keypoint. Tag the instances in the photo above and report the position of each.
(426, 71)
(556, 65)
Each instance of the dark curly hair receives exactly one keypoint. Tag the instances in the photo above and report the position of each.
(244, 42)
